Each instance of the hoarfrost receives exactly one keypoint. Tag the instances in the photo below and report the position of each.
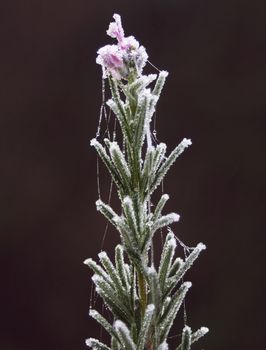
(127, 200)
(187, 328)
(102, 255)
(150, 308)
(87, 261)
(96, 278)
(201, 246)
(121, 325)
(163, 346)
(93, 313)
(186, 142)
(89, 342)
(165, 197)
(187, 284)
(93, 142)
(204, 330)
(172, 242)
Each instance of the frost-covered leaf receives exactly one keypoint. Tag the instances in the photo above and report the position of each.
(107, 161)
(196, 336)
(96, 344)
(172, 281)
(97, 269)
(186, 338)
(145, 327)
(166, 258)
(106, 210)
(160, 83)
(120, 164)
(121, 117)
(124, 335)
(142, 113)
(159, 155)
(141, 83)
(155, 290)
(169, 314)
(130, 216)
(111, 298)
(115, 345)
(169, 162)
(116, 96)
(130, 240)
(103, 322)
(121, 267)
(176, 266)
(147, 170)
(165, 220)
(158, 210)
(114, 276)
(199, 334)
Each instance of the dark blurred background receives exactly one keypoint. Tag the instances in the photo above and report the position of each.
(215, 51)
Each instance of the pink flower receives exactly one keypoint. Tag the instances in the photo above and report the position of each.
(111, 59)
(110, 56)
(124, 58)
(129, 43)
(115, 29)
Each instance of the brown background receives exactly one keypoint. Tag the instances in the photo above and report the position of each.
(50, 99)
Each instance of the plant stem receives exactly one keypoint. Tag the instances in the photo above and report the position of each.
(142, 292)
